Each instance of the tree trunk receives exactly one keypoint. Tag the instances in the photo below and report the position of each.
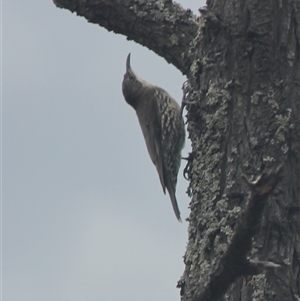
(242, 61)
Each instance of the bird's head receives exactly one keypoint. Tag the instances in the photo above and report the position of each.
(132, 86)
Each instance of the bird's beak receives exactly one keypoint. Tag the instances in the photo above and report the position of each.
(128, 63)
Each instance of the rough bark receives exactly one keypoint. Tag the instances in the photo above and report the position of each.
(234, 263)
(242, 61)
(247, 118)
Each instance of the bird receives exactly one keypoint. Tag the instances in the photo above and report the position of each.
(162, 126)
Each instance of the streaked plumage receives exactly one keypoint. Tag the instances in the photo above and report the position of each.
(162, 126)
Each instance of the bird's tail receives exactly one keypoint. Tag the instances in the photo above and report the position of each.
(174, 204)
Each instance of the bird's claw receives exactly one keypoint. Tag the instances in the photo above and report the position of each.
(188, 167)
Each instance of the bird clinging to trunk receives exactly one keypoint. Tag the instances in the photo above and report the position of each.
(162, 126)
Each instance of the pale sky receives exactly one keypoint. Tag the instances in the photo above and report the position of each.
(84, 216)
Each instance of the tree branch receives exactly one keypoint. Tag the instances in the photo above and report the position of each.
(234, 262)
(162, 26)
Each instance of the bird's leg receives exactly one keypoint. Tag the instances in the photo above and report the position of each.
(188, 166)
(184, 101)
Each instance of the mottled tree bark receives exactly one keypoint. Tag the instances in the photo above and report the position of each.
(242, 61)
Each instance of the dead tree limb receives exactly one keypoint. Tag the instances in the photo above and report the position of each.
(162, 26)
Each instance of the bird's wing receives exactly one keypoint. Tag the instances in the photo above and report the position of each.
(172, 138)
(150, 122)
(170, 169)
